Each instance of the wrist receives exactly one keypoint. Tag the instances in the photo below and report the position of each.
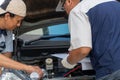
(66, 64)
(29, 69)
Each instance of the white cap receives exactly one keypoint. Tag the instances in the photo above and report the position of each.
(17, 7)
(34, 75)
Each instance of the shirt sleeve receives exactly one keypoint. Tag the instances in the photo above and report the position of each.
(80, 30)
(2, 42)
(8, 42)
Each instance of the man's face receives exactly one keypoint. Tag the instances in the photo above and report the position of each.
(67, 6)
(12, 22)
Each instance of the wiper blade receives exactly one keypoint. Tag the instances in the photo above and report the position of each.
(48, 37)
(54, 36)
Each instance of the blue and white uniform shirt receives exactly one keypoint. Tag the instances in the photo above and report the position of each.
(2, 42)
(79, 25)
(95, 24)
(6, 41)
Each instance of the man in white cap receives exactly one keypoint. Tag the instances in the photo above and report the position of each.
(12, 12)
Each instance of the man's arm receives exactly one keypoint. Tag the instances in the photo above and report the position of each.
(9, 63)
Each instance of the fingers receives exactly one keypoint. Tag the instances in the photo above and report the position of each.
(39, 71)
(35, 69)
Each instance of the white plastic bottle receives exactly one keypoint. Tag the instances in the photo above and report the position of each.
(34, 76)
(4, 75)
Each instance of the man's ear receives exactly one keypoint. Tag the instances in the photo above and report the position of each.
(69, 2)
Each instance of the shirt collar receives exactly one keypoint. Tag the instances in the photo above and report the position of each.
(3, 31)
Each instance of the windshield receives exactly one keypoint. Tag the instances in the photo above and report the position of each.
(55, 30)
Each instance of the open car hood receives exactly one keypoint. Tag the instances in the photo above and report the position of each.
(43, 13)
(43, 9)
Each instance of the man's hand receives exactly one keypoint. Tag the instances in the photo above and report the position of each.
(66, 64)
(37, 69)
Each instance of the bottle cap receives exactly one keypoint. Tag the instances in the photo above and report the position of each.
(34, 75)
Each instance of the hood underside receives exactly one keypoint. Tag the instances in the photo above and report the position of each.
(43, 9)
(42, 13)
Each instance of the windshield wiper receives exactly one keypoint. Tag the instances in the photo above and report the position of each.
(54, 36)
(48, 37)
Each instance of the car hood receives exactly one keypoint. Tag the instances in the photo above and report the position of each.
(43, 9)
(43, 13)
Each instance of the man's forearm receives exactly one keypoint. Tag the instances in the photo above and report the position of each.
(9, 63)
(78, 54)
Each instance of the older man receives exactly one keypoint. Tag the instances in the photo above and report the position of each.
(95, 30)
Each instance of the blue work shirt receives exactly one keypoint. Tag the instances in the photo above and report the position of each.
(105, 25)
